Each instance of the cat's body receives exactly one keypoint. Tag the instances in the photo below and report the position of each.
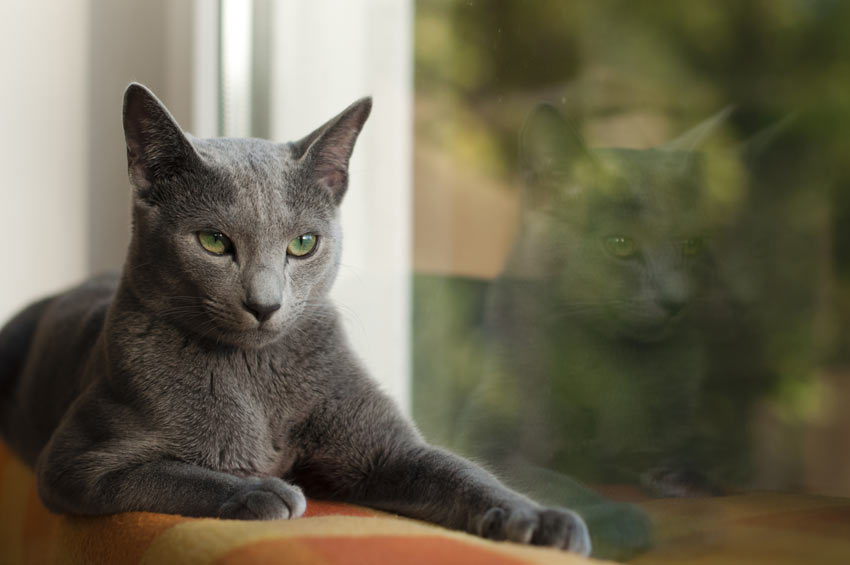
(212, 378)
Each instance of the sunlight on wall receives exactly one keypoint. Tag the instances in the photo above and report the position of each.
(43, 208)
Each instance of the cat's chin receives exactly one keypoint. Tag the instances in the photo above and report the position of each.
(251, 338)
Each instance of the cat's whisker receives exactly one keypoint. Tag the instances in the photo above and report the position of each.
(181, 311)
(355, 271)
(134, 268)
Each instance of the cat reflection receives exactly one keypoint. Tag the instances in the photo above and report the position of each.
(601, 328)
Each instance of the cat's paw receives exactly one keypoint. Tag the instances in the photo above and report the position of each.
(525, 523)
(268, 498)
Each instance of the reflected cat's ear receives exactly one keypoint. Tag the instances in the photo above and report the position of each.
(548, 141)
(157, 149)
(327, 150)
(767, 145)
(549, 149)
(693, 139)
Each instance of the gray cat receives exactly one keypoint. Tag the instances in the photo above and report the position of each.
(601, 316)
(212, 377)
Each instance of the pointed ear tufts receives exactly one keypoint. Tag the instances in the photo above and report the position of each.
(157, 148)
(327, 150)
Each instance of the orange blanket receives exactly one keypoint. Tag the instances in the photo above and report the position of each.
(757, 528)
(329, 534)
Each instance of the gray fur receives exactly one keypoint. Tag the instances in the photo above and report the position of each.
(161, 391)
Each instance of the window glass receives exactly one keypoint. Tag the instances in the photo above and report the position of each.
(631, 249)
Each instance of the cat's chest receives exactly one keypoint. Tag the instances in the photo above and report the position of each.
(233, 427)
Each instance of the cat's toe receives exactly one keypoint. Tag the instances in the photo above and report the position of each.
(492, 525)
(265, 499)
(521, 525)
(564, 529)
(553, 527)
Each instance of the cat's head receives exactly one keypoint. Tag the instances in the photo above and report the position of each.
(620, 236)
(234, 239)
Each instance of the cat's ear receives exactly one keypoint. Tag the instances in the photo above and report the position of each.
(768, 145)
(549, 149)
(157, 149)
(326, 151)
(693, 139)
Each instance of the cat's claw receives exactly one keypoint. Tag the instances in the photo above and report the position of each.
(265, 499)
(552, 527)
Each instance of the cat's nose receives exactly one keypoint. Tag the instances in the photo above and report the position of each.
(263, 292)
(262, 312)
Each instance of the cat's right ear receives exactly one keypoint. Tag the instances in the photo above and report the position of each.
(549, 149)
(157, 149)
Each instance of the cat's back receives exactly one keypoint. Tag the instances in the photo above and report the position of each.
(43, 353)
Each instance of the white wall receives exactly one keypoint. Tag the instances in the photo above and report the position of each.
(130, 41)
(43, 154)
(64, 195)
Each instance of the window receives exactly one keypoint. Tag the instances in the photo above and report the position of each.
(630, 259)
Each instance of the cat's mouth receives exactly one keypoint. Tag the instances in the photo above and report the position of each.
(258, 335)
(234, 328)
(232, 324)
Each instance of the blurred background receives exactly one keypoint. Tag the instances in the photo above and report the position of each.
(438, 180)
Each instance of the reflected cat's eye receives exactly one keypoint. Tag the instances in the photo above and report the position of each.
(215, 242)
(693, 246)
(621, 246)
(302, 245)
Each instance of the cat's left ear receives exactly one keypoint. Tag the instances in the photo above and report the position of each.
(327, 150)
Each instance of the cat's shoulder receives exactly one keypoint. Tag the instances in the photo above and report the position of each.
(81, 309)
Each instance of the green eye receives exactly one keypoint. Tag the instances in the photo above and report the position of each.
(215, 242)
(693, 246)
(621, 246)
(302, 245)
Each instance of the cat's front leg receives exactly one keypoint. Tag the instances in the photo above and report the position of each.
(79, 473)
(362, 451)
(437, 485)
(170, 487)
